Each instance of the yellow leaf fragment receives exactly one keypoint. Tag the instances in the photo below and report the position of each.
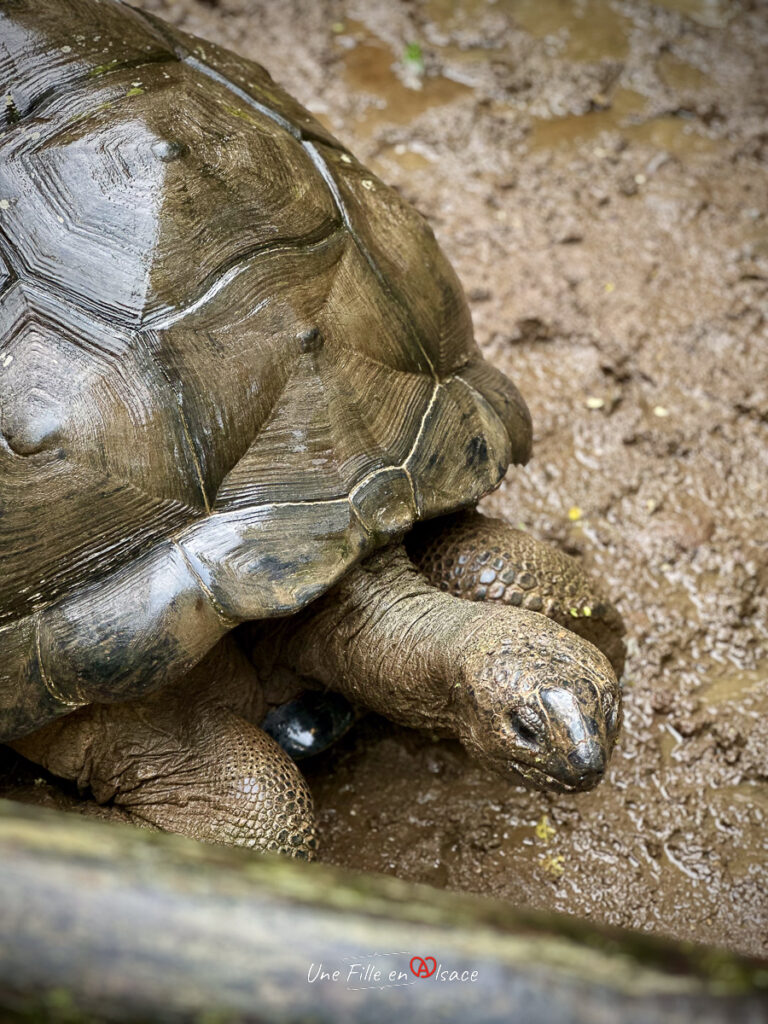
(544, 830)
(553, 866)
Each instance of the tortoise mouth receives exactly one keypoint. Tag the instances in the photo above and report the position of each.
(536, 778)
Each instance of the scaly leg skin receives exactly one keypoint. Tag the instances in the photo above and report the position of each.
(481, 559)
(188, 759)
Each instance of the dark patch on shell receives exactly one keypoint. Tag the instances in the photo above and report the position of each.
(311, 340)
(477, 451)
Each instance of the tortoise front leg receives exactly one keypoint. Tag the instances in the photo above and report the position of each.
(480, 559)
(188, 759)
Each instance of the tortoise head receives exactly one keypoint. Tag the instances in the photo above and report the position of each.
(539, 702)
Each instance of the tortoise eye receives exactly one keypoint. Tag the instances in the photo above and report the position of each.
(524, 725)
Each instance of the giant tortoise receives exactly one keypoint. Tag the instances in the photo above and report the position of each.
(236, 376)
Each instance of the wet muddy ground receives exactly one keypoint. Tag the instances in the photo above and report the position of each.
(598, 174)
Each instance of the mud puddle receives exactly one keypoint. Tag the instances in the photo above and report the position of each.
(398, 90)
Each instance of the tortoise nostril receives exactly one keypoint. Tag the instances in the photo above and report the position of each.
(588, 761)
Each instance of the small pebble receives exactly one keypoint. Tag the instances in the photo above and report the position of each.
(593, 402)
(661, 411)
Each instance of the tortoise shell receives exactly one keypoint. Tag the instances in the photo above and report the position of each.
(232, 360)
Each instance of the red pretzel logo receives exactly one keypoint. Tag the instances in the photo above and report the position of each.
(420, 966)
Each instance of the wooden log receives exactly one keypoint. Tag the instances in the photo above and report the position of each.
(105, 922)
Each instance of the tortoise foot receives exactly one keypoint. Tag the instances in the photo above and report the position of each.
(480, 559)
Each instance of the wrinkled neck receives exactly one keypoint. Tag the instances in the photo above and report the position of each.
(386, 639)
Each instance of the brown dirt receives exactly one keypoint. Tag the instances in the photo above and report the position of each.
(598, 174)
